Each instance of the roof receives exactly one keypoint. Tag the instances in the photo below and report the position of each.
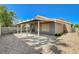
(42, 18)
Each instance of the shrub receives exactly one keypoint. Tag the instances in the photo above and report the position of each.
(59, 34)
(65, 31)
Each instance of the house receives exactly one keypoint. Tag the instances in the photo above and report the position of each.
(45, 25)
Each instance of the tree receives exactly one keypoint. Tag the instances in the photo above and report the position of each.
(76, 25)
(6, 16)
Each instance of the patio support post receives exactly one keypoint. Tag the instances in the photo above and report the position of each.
(26, 30)
(38, 28)
(17, 29)
(21, 28)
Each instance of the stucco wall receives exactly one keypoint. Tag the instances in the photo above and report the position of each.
(48, 28)
(52, 28)
(68, 27)
(58, 28)
(45, 27)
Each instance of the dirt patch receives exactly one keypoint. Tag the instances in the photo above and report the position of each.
(70, 43)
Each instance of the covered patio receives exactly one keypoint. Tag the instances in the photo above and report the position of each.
(33, 40)
(32, 26)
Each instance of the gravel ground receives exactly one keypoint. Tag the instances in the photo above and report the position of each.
(9, 44)
(69, 43)
(17, 44)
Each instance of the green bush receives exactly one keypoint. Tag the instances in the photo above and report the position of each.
(65, 31)
(59, 34)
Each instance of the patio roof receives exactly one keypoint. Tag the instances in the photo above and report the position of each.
(43, 19)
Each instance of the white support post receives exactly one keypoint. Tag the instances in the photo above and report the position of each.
(26, 30)
(21, 28)
(17, 29)
(38, 28)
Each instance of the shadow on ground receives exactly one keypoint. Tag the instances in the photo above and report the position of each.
(56, 43)
(10, 44)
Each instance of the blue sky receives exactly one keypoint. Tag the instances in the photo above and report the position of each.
(69, 12)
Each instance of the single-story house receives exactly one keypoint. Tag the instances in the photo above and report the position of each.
(45, 25)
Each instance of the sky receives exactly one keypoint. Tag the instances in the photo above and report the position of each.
(69, 12)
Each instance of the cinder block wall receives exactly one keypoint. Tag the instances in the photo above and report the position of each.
(8, 30)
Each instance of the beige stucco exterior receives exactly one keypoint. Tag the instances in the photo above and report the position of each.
(48, 26)
(58, 28)
(68, 27)
(45, 27)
